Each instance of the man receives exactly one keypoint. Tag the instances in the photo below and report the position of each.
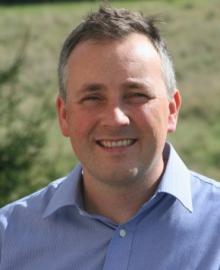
(131, 203)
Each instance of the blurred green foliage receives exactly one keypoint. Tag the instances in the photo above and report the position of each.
(32, 150)
(12, 2)
(20, 140)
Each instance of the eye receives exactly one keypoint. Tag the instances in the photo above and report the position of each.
(91, 98)
(141, 95)
(137, 97)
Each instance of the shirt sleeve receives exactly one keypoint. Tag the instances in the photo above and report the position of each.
(1, 233)
(3, 225)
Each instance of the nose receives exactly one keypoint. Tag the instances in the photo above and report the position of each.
(115, 116)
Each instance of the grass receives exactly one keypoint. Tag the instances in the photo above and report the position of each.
(193, 36)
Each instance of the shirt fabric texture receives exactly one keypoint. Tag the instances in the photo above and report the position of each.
(178, 228)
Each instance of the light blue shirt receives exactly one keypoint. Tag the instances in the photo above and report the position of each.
(177, 229)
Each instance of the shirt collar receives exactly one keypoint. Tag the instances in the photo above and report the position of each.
(176, 179)
(67, 193)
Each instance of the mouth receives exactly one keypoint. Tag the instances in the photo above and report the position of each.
(116, 143)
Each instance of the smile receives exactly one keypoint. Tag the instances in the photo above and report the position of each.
(116, 143)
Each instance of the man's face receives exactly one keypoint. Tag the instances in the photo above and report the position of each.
(117, 113)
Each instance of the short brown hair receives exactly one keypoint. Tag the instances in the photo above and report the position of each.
(112, 23)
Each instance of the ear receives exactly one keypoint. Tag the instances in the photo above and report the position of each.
(62, 116)
(174, 107)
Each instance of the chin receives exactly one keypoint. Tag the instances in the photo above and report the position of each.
(119, 177)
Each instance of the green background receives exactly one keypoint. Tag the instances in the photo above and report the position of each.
(32, 150)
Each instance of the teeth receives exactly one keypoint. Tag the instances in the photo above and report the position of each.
(119, 143)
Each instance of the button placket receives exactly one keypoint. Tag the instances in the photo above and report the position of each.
(122, 233)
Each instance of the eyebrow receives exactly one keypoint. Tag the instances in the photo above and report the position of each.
(133, 83)
(91, 87)
(129, 84)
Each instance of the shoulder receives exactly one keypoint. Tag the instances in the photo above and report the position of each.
(202, 181)
(205, 191)
(33, 207)
(33, 204)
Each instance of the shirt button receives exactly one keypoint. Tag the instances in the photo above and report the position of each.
(122, 233)
(81, 212)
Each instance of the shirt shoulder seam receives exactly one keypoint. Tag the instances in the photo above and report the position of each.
(206, 180)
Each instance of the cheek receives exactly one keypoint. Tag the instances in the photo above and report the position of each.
(80, 124)
(152, 117)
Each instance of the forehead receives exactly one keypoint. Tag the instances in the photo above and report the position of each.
(112, 62)
(135, 43)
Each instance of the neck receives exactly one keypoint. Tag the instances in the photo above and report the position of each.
(116, 203)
